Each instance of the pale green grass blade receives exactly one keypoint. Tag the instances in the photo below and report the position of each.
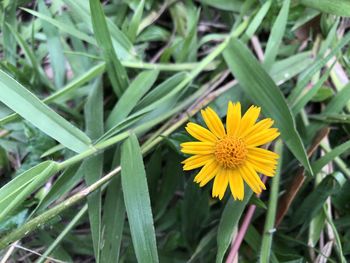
(17, 200)
(93, 167)
(317, 66)
(257, 20)
(65, 91)
(26, 104)
(9, 41)
(266, 244)
(116, 72)
(161, 90)
(62, 26)
(338, 7)
(263, 91)
(135, 21)
(283, 70)
(305, 98)
(137, 89)
(137, 202)
(276, 35)
(54, 47)
(328, 157)
(16, 185)
(234, 5)
(229, 220)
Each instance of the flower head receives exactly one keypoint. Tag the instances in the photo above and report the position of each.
(232, 155)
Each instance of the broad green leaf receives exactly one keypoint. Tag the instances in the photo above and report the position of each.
(137, 89)
(115, 69)
(338, 7)
(137, 201)
(228, 221)
(276, 35)
(26, 104)
(45, 172)
(264, 92)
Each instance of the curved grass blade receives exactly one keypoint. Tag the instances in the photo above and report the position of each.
(264, 92)
(49, 169)
(137, 201)
(26, 104)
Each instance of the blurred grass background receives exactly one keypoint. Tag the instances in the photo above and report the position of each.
(93, 100)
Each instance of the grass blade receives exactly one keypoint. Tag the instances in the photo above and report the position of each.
(93, 167)
(138, 87)
(115, 70)
(339, 7)
(263, 91)
(276, 35)
(137, 202)
(266, 244)
(26, 104)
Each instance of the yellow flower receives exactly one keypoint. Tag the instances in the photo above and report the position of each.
(232, 155)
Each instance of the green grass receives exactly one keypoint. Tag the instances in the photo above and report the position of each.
(94, 97)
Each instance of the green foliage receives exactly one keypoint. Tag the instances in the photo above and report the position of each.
(94, 97)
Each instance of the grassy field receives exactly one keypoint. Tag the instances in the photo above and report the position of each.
(101, 103)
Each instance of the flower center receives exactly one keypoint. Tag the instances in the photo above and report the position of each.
(230, 152)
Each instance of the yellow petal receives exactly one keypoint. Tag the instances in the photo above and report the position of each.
(220, 184)
(266, 169)
(262, 138)
(200, 133)
(196, 161)
(261, 159)
(206, 173)
(248, 119)
(263, 153)
(233, 118)
(213, 122)
(251, 178)
(236, 185)
(197, 147)
(258, 127)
